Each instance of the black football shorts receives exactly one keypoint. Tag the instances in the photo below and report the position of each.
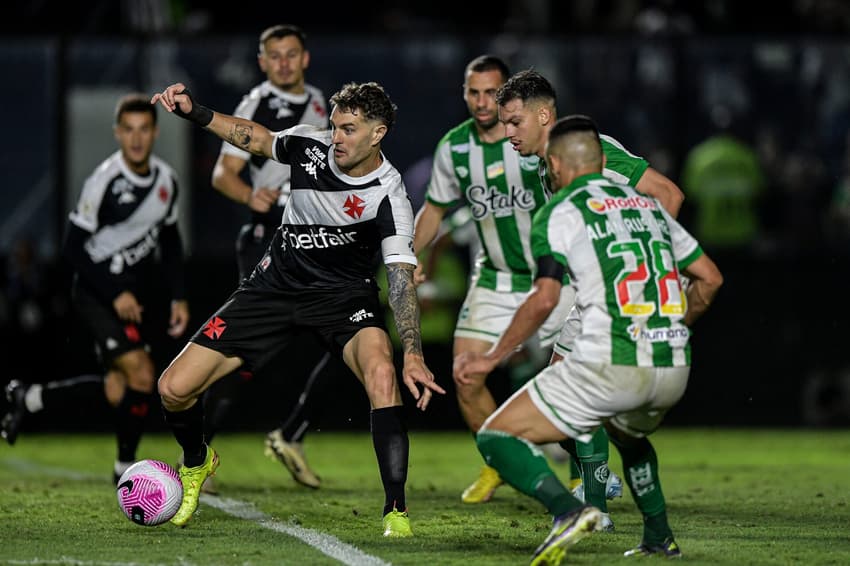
(113, 336)
(256, 322)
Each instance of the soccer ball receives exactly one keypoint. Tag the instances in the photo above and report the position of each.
(149, 492)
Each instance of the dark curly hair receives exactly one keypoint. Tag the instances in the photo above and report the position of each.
(370, 98)
(526, 85)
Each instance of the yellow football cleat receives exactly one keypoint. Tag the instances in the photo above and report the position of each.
(192, 480)
(482, 489)
(397, 524)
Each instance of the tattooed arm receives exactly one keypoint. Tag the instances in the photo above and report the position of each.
(244, 134)
(405, 305)
(402, 298)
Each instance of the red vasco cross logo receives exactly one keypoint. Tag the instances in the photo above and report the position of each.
(215, 328)
(354, 206)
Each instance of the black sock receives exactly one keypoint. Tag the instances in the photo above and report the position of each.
(570, 446)
(188, 429)
(295, 426)
(131, 414)
(218, 400)
(392, 447)
(78, 391)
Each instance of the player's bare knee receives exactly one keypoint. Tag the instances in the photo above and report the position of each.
(173, 397)
(138, 370)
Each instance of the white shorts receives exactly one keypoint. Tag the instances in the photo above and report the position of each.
(577, 397)
(486, 314)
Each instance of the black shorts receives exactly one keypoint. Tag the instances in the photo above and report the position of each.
(259, 320)
(251, 244)
(113, 336)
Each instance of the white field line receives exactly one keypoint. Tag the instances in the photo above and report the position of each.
(324, 543)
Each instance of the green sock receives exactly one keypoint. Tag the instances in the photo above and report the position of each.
(593, 458)
(523, 465)
(640, 464)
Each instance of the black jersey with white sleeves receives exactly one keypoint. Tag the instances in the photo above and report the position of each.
(115, 228)
(277, 110)
(335, 225)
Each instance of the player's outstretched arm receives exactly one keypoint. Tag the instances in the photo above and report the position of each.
(403, 301)
(530, 315)
(244, 134)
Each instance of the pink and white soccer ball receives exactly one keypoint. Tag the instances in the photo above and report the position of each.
(149, 492)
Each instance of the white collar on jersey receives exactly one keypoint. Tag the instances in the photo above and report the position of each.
(135, 178)
(294, 98)
(368, 178)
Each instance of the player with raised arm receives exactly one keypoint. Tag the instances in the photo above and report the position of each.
(281, 101)
(347, 204)
(631, 358)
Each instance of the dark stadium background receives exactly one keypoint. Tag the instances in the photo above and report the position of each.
(653, 74)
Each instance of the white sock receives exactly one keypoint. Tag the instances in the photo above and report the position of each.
(32, 398)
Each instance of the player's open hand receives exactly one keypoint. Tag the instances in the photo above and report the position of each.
(127, 307)
(172, 98)
(415, 371)
(467, 364)
(179, 318)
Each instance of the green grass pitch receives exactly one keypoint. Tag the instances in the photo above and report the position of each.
(734, 497)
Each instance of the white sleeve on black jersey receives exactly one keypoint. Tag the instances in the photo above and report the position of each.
(395, 224)
(86, 213)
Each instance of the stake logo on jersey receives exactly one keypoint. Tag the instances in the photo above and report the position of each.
(334, 225)
(484, 201)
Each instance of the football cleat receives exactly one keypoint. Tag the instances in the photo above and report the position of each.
(192, 480)
(668, 549)
(605, 525)
(291, 455)
(16, 392)
(567, 530)
(613, 488)
(482, 489)
(397, 524)
(209, 486)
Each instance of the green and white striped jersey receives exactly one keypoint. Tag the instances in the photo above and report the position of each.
(623, 253)
(503, 192)
(621, 165)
